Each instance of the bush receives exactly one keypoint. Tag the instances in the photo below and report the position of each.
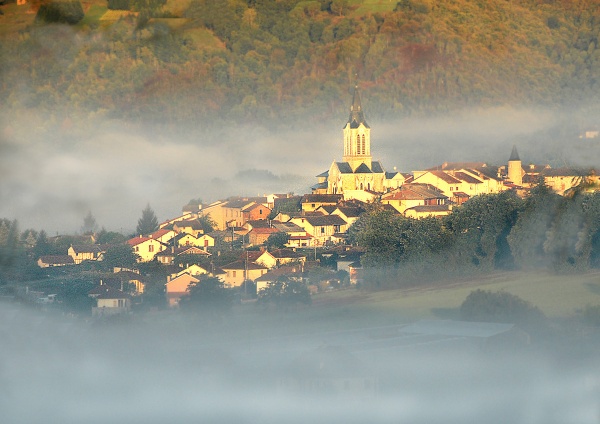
(487, 306)
(63, 12)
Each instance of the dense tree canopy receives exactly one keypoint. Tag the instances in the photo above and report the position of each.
(237, 60)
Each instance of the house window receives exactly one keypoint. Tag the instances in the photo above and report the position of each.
(151, 248)
(260, 212)
(137, 248)
(234, 273)
(451, 188)
(322, 230)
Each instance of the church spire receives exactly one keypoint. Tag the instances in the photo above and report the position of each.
(514, 155)
(357, 116)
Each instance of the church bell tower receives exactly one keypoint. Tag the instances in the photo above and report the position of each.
(357, 136)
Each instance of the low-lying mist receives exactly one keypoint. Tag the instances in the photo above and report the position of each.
(51, 178)
(185, 369)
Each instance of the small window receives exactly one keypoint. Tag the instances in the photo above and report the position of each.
(151, 248)
(234, 274)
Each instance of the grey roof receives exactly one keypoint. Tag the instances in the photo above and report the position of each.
(323, 174)
(357, 116)
(319, 185)
(288, 227)
(376, 167)
(514, 155)
(363, 169)
(344, 167)
(322, 221)
(321, 198)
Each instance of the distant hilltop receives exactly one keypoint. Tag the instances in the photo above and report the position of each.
(170, 62)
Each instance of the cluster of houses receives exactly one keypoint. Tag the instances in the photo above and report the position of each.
(320, 219)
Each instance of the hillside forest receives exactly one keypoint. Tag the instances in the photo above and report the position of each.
(280, 61)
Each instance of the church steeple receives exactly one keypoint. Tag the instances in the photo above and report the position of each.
(357, 136)
(357, 116)
(514, 155)
(515, 169)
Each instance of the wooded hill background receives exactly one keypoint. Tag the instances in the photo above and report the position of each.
(285, 61)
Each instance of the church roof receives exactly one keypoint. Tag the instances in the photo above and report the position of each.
(376, 167)
(514, 155)
(323, 174)
(363, 169)
(344, 167)
(357, 116)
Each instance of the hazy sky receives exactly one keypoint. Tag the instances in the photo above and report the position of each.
(51, 178)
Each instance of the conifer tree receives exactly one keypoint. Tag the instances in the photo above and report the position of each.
(148, 223)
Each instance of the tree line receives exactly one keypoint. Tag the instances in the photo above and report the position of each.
(487, 233)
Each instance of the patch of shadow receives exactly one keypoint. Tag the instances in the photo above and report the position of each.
(593, 287)
(446, 313)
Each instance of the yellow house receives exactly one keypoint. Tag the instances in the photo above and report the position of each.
(240, 271)
(261, 257)
(193, 269)
(312, 202)
(412, 195)
(145, 247)
(109, 301)
(163, 235)
(177, 287)
(190, 226)
(324, 229)
(85, 252)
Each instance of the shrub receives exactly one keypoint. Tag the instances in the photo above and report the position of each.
(487, 306)
(64, 12)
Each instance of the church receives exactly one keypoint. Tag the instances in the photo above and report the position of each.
(357, 173)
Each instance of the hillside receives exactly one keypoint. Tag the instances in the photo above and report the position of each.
(285, 60)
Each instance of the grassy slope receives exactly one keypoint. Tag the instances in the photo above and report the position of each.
(557, 296)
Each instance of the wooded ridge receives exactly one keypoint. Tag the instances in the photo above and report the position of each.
(288, 60)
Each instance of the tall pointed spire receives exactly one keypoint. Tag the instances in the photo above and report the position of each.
(514, 155)
(357, 116)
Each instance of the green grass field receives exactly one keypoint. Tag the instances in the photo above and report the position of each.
(557, 296)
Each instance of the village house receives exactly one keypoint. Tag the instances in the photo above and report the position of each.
(170, 222)
(49, 261)
(167, 256)
(145, 247)
(297, 236)
(325, 229)
(312, 202)
(255, 211)
(348, 214)
(293, 272)
(261, 257)
(86, 252)
(193, 270)
(185, 239)
(287, 256)
(413, 194)
(134, 278)
(192, 226)
(163, 235)
(109, 301)
(258, 236)
(240, 271)
(177, 287)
